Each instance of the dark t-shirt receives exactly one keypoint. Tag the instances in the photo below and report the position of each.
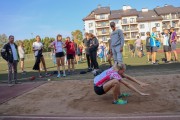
(148, 41)
(86, 44)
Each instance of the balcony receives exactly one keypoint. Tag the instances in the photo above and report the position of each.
(102, 26)
(133, 22)
(125, 23)
(127, 37)
(176, 25)
(134, 29)
(101, 18)
(102, 33)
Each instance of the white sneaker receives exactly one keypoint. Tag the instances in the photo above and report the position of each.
(59, 75)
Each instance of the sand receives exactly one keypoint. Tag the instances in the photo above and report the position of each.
(77, 98)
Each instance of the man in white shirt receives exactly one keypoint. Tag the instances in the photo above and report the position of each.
(10, 54)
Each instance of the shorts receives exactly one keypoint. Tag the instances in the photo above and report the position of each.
(59, 54)
(132, 50)
(99, 90)
(173, 46)
(166, 48)
(154, 49)
(138, 48)
(80, 54)
(70, 56)
(22, 59)
(148, 48)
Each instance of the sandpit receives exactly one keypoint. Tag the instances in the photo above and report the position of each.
(77, 98)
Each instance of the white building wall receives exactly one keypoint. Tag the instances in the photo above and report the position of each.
(88, 28)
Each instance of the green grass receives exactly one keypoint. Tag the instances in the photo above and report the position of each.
(135, 66)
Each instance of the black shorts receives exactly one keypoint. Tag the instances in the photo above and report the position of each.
(166, 48)
(80, 54)
(99, 90)
(148, 48)
(154, 49)
(59, 54)
(70, 56)
(22, 59)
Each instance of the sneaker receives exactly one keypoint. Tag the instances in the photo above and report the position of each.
(64, 75)
(40, 76)
(69, 73)
(47, 74)
(10, 84)
(59, 75)
(94, 71)
(16, 82)
(23, 72)
(155, 63)
(123, 95)
(89, 70)
(120, 102)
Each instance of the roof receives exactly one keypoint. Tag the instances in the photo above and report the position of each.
(91, 16)
(115, 14)
(102, 10)
(150, 15)
(129, 12)
(166, 10)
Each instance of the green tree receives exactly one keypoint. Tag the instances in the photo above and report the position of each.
(3, 40)
(77, 36)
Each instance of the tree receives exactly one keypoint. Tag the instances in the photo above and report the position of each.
(77, 36)
(3, 40)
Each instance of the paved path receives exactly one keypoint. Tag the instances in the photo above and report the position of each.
(130, 117)
(8, 93)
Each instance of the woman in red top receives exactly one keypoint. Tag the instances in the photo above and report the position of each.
(70, 54)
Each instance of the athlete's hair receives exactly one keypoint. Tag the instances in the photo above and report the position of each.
(120, 66)
(172, 28)
(148, 33)
(59, 35)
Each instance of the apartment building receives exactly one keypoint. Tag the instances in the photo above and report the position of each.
(133, 23)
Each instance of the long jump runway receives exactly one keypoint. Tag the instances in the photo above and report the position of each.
(130, 117)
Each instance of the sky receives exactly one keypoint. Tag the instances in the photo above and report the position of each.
(27, 18)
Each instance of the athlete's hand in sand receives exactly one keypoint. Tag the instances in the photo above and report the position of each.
(144, 84)
(144, 94)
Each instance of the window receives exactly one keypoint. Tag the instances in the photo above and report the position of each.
(157, 24)
(104, 38)
(102, 16)
(90, 25)
(91, 31)
(116, 21)
(126, 28)
(103, 31)
(142, 33)
(142, 26)
(124, 21)
(132, 20)
(133, 35)
(103, 24)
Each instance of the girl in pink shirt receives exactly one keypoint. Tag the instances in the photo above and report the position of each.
(111, 79)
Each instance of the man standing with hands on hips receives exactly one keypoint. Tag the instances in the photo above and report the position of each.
(117, 43)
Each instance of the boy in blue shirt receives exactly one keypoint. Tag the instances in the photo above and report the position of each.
(154, 48)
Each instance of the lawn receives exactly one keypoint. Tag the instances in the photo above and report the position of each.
(135, 66)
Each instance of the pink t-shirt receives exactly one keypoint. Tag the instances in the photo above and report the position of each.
(105, 76)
